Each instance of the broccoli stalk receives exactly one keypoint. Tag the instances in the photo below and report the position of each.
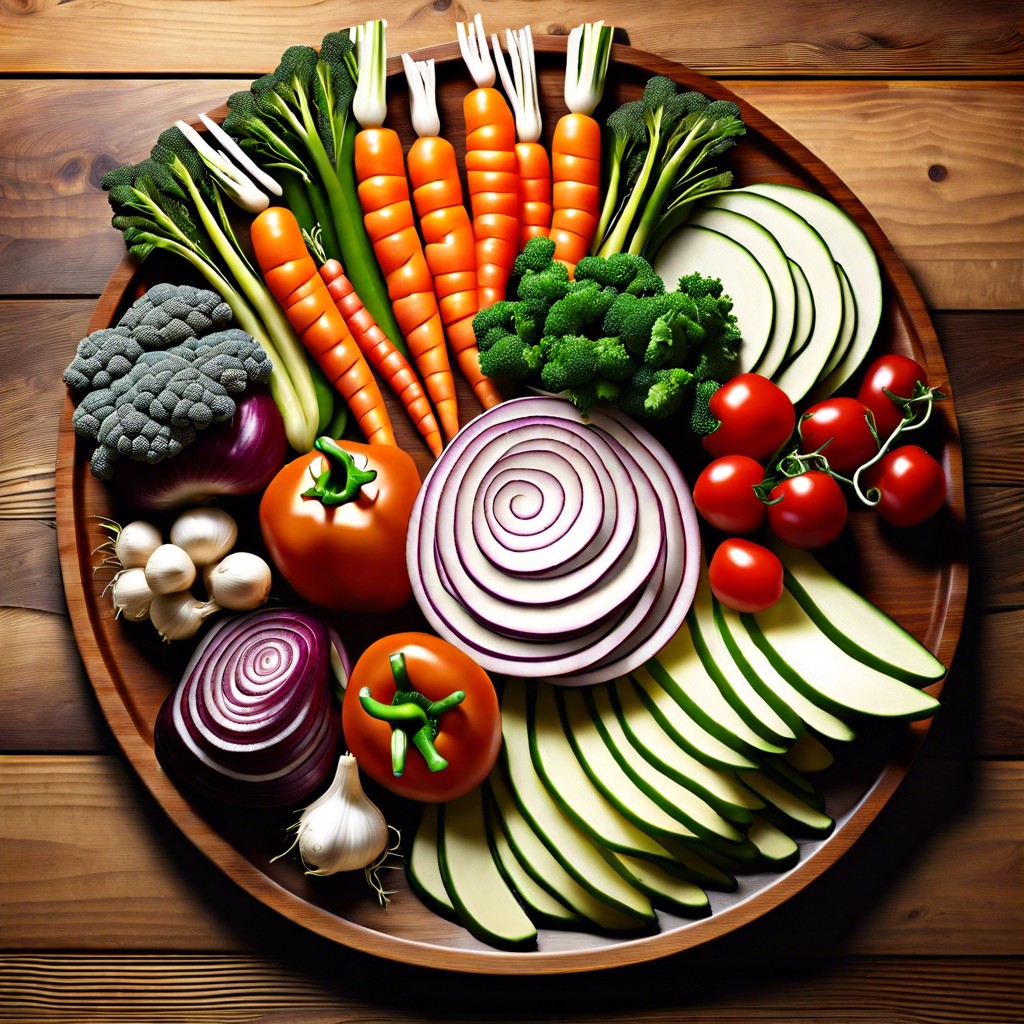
(666, 142)
(164, 203)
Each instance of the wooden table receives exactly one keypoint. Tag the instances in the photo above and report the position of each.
(108, 914)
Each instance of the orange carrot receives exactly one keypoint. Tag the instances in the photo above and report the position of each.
(532, 161)
(491, 170)
(381, 354)
(291, 276)
(387, 212)
(449, 246)
(576, 146)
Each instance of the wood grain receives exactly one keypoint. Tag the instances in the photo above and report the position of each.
(734, 37)
(52, 208)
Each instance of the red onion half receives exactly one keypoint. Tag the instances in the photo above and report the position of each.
(254, 720)
(549, 546)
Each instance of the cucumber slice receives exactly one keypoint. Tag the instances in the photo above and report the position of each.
(784, 801)
(804, 323)
(771, 722)
(854, 623)
(542, 907)
(679, 669)
(718, 786)
(798, 648)
(567, 842)
(485, 904)
(852, 250)
(800, 242)
(809, 754)
(682, 727)
(422, 869)
(673, 796)
(765, 249)
(848, 329)
(696, 249)
(763, 674)
(772, 843)
(666, 891)
(548, 872)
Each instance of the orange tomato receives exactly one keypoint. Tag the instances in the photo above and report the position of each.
(444, 696)
(334, 523)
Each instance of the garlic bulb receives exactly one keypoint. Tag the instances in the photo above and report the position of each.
(170, 570)
(239, 582)
(131, 594)
(205, 534)
(135, 542)
(342, 830)
(178, 615)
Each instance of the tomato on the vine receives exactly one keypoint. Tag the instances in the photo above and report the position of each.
(807, 511)
(746, 577)
(724, 494)
(896, 374)
(911, 485)
(334, 522)
(421, 717)
(755, 417)
(839, 428)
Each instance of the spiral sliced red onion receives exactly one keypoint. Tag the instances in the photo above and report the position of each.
(253, 720)
(549, 546)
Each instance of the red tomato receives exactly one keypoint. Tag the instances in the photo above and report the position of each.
(839, 429)
(894, 373)
(745, 576)
(808, 511)
(724, 494)
(756, 417)
(337, 533)
(911, 485)
(465, 736)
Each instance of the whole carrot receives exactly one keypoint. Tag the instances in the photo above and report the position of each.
(387, 212)
(292, 277)
(576, 145)
(381, 354)
(492, 172)
(449, 246)
(532, 160)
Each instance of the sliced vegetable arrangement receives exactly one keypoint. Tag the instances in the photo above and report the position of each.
(625, 688)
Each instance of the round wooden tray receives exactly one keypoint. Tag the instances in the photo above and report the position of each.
(919, 577)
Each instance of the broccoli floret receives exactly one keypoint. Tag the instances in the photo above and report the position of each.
(499, 316)
(702, 420)
(510, 357)
(584, 305)
(536, 257)
(614, 363)
(571, 363)
(148, 403)
(667, 392)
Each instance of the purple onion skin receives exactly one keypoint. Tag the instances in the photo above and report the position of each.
(233, 777)
(238, 457)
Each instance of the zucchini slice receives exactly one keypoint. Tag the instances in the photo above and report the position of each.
(422, 869)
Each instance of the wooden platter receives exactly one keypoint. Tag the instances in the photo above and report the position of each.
(919, 577)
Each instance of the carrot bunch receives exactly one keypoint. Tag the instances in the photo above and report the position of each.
(448, 241)
(291, 275)
(383, 190)
(492, 172)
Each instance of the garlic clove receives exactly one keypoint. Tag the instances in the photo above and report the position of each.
(342, 830)
(135, 542)
(239, 582)
(170, 570)
(206, 534)
(178, 615)
(131, 595)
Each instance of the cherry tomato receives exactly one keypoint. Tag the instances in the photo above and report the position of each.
(444, 728)
(745, 576)
(755, 417)
(839, 429)
(911, 485)
(808, 511)
(336, 531)
(894, 373)
(724, 494)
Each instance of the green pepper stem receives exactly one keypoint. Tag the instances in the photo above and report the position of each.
(342, 481)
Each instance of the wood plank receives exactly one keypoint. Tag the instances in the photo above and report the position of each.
(54, 212)
(855, 38)
(204, 989)
(895, 892)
